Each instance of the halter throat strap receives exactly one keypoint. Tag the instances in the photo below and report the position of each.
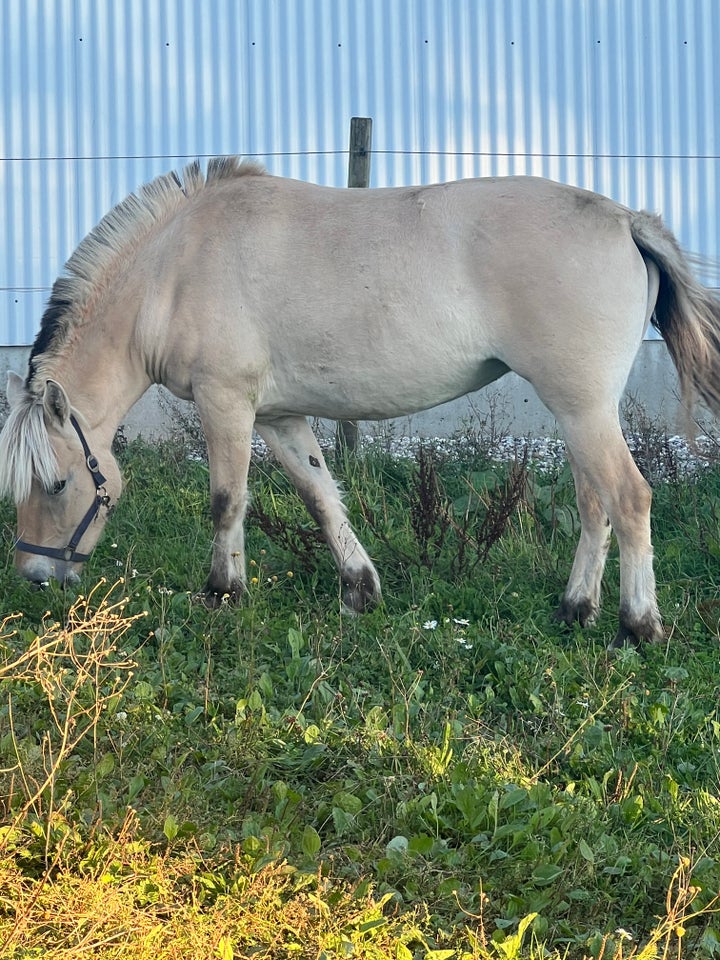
(70, 553)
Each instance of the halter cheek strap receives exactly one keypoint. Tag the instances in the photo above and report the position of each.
(69, 553)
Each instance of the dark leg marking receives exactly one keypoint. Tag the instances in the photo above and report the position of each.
(215, 593)
(219, 505)
(645, 630)
(359, 591)
(314, 462)
(583, 612)
(221, 588)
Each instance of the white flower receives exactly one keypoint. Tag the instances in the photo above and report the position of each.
(623, 934)
(430, 625)
(121, 715)
(460, 622)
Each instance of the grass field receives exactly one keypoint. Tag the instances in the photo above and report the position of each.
(450, 776)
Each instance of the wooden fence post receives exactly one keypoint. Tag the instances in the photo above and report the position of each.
(346, 436)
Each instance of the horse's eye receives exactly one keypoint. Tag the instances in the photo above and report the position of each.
(58, 487)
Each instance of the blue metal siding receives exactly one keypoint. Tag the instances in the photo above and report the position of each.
(101, 95)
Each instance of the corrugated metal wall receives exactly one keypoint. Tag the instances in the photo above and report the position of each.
(99, 96)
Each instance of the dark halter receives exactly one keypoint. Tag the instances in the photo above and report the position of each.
(69, 553)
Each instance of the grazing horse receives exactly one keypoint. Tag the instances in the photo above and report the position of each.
(267, 300)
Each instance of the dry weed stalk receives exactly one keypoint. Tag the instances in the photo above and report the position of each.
(667, 939)
(79, 671)
(433, 516)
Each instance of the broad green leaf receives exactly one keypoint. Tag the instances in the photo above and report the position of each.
(347, 802)
(374, 924)
(586, 851)
(421, 844)
(192, 715)
(296, 642)
(312, 733)
(512, 798)
(398, 845)
(105, 765)
(225, 949)
(137, 784)
(170, 827)
(546, 873)
(524, 924)
(510, 946)
(311, 842)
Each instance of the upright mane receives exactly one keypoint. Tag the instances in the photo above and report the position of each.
(120, 229)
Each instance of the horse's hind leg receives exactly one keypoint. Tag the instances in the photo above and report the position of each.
(581, 600)
(610, 482)
(294, 444)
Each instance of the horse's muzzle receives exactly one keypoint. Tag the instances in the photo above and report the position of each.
(41, 570)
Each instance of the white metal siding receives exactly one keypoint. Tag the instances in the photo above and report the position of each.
(99, 96)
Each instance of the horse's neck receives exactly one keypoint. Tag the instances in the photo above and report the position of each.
(101, 380)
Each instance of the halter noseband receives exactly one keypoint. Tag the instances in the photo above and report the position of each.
(69, 553)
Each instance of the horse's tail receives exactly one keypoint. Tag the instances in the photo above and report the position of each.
(687, 314)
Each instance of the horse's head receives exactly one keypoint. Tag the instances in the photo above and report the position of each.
(63, 478)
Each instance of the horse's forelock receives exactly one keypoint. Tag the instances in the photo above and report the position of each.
(26, 451)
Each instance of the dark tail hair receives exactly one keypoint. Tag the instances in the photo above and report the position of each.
(687, 314)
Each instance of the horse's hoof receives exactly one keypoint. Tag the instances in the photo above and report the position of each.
(213, 597)
(583, 612)
(361, 591)
(631, 633)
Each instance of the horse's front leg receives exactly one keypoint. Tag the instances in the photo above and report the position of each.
(228, 433)
(294, 444)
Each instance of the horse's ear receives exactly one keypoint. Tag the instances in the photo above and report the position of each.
(15, 388)
(55, 403)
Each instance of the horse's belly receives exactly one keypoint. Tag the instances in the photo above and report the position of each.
(378, 392)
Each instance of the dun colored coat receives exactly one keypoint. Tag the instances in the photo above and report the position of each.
(268, 300)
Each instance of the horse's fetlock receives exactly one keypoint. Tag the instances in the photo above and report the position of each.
(635, 630)
(583, 611)
(361, 589)
(216, 593)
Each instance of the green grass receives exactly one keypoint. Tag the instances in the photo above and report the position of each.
(450, 776)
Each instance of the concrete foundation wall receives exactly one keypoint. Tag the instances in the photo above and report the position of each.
(510, 405)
